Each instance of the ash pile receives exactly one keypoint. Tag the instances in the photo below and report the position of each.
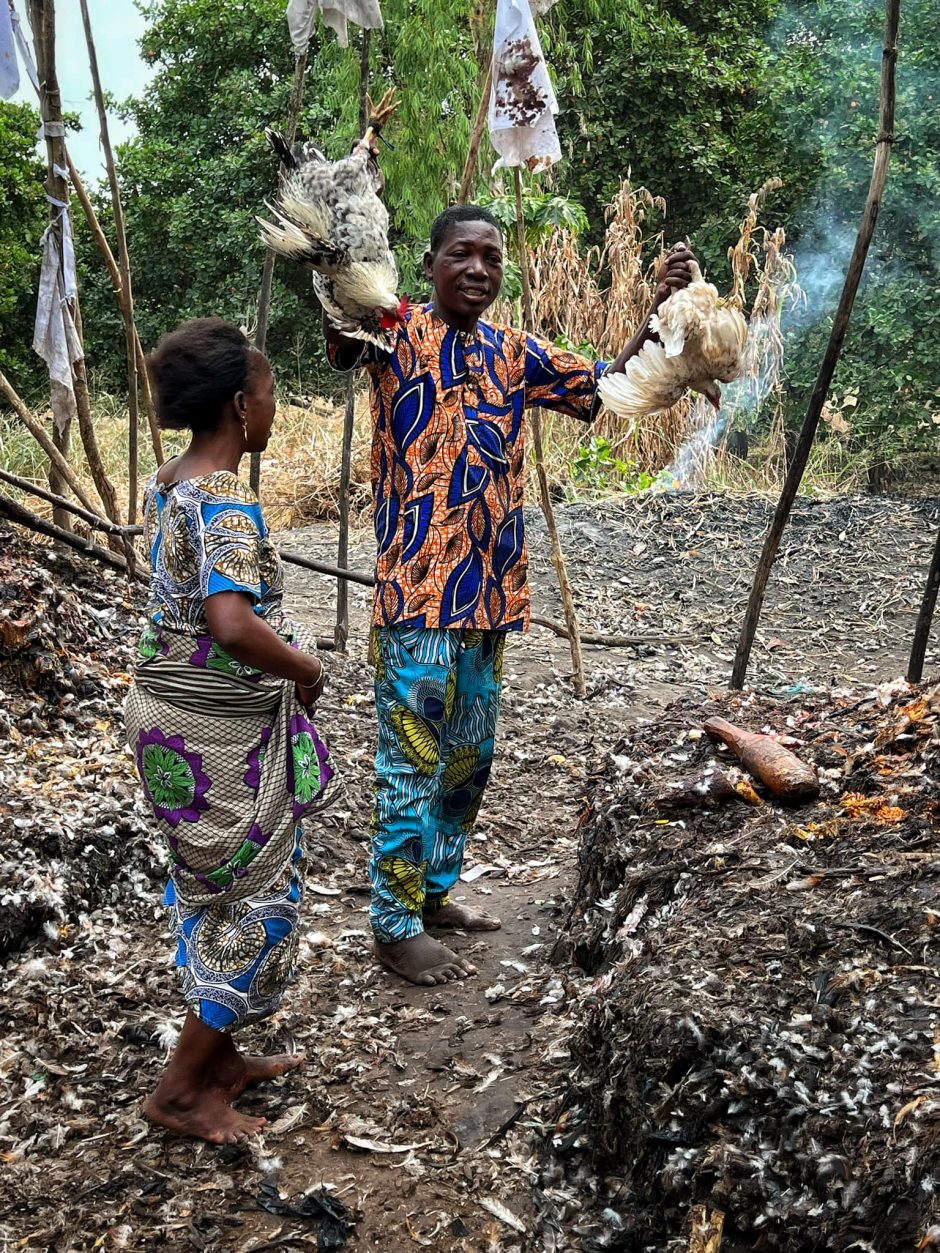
(68, 827)
(755, 1037)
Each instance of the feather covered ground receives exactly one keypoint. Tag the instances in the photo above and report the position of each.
(462, 1120)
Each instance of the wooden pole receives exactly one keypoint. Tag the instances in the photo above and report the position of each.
(837, 336)
(9, 508)
(915, 667)
(126, 300)
(94, 520)
(56, 458)
(341, 629)
(267, 273)
(558, 557)
(476, 136)
(105, 249)
(42, 21)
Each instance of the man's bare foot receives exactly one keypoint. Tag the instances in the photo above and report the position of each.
(203, 1114)
(423, 960)
(460, 917)
(247, 1072)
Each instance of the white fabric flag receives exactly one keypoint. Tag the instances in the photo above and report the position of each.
(26, 56)
(522, 100)
(55, 337)
(9, 70)
(302, 17)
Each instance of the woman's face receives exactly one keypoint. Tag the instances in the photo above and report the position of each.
(259, 404)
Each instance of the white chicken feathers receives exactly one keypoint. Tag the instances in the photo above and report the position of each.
(701, 344)
(328, 216)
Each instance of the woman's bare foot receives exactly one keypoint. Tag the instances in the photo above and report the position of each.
(423, 960)
(247, 1072)
(453, 916)
(200, 1113)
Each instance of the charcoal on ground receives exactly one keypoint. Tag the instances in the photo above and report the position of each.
(758, 1029)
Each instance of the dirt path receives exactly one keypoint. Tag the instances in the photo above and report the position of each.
(91, 1008)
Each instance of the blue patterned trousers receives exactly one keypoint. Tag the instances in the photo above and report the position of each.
(437, 701)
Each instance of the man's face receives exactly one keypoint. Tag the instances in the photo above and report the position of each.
(467, 272)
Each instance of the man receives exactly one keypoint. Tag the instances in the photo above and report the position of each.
(448, 470)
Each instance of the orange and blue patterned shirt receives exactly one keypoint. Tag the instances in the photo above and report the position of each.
(448, 467)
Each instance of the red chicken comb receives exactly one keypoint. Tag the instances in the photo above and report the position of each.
(393, 317)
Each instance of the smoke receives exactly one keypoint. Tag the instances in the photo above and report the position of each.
(826, 62)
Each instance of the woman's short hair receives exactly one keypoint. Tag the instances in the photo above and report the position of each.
(196, 370)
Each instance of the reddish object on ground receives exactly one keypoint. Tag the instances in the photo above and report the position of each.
(775, 766)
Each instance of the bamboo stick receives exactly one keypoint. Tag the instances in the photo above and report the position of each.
(39, 434)
(267, 273)
(558, 557)
(915, 667)
(837, 336)
(126, 301)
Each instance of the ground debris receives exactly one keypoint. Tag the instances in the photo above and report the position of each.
(756, 1024)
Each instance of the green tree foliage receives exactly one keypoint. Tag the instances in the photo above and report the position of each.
(673, 94)
(22, 222)
(824, 70)
(704, 101)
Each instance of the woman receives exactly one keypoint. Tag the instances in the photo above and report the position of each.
(219, 720)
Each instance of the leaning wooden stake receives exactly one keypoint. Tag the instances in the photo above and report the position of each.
(105, 249)
(840, 327)
(476, 136)
(94, 520)
(126, 301)
(9, 508)
(42, 438)
(558, 557)
(42, 20)
(915, 667)
(267, 273)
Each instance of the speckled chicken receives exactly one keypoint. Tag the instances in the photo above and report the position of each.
(328, 216)
(701, 342)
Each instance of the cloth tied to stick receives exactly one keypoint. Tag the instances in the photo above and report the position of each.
(11, 38)
(302, 16)
(522, 101)
(55, 337)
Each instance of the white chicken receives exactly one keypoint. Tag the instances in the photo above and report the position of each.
(328, 216)
(701, 344)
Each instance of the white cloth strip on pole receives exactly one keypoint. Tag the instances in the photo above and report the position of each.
(302, 17)
(26, 53)
(55, 337)
(9, 70)
(522, 100)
